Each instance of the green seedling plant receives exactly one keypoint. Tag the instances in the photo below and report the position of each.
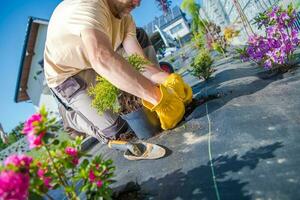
(202, 65)
(106, 96)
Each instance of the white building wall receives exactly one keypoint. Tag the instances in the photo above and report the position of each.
(37, 88)
(224, 13)
(180, 33)
(35, 82)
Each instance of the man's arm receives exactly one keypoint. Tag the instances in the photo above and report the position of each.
(116, 69)
(154, 73)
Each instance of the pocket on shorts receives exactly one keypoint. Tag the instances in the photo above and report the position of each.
(71, 87)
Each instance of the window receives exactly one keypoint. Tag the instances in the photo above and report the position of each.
(176, 28)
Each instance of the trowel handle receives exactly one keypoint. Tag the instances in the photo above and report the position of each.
(117, 144)
(124, 146)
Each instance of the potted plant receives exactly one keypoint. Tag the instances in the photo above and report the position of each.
(107, 97)
(202, 65)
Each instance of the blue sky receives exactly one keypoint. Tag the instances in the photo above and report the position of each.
(13, 22)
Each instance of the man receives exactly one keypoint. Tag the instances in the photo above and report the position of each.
(84, 35)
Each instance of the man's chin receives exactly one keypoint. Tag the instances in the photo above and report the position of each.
(124, 14)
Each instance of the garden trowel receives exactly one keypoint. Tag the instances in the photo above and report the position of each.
(138, 150)
(125, 146)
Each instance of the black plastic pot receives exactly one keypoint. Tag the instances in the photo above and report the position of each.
(167, 67)
(143, 122)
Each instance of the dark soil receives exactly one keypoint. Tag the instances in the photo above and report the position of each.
(129, 103)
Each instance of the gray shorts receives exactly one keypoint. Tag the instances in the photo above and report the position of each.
(79, 113)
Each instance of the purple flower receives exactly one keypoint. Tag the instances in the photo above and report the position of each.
(253, 39)
(294, 37)
(273, 15)
(268, 64)
(271, 31)
(283, 18)
(280, 42)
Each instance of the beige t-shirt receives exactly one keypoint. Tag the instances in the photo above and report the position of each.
(64, 54)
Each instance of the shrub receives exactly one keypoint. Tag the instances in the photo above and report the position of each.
(198, 40)
(106, 96)
(217, 47)
(218, 41)
(202, 65)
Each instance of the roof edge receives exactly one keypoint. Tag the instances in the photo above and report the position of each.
(28, 29)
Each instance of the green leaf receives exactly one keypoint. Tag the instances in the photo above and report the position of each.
(55, 142)
(69, 189)
(83, 173)
(85, 188)
(35, 196)
(94, 187)
(43, 111)
(84, 163)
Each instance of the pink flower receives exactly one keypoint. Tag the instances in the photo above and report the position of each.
(34, 135)
(35, 140)
(45, 179)
(41, 173)
(75, 161)
(30, 124)
(92, 176)
(99, 183)
(18, 161)
(71, 151)
(14, 185)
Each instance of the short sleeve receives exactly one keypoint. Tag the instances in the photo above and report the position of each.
(87, 15)
(130, 27)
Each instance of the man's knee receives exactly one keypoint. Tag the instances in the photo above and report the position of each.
(143, 38)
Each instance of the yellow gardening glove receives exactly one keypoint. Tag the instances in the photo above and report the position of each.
(170, 109)
(182, 90)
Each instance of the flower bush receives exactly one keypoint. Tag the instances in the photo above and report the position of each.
(217, 40)
(22, 177)
(202, 65)
(280, 41)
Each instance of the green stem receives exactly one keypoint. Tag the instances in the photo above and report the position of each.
(64, 184)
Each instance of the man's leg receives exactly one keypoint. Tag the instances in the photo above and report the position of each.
(151, 54)
(73, 93)
(146, 45)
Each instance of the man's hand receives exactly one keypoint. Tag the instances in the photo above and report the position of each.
(116, 69)
(182, 90)
(170, 108)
